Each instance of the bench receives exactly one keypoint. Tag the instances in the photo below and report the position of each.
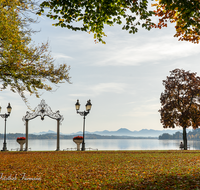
(68, 149)
(71, 149)
(18, 149)
(14, 149)
(182, 147)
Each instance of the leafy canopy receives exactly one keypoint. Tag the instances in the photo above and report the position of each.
(95, 14)
(23, 66)
(186, 15)
(180, 101)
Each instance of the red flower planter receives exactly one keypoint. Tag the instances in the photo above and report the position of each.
(21, 141)
(78, 140)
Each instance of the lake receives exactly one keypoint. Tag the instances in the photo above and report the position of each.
(105, 144)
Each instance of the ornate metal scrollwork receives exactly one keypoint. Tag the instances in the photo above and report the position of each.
(43, 110)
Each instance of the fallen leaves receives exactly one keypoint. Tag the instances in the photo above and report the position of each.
(100, 170)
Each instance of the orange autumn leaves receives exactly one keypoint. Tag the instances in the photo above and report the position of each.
(94, 15)
(101, 170)
(185, 15)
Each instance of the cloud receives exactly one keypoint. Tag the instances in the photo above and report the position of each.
(146, 49)
(147, 53)
(109, 87)
(143, 110)
(60, 56)
(102, 88)
(80, 95)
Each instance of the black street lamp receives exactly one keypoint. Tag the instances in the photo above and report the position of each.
(5, 116)
(84, 113)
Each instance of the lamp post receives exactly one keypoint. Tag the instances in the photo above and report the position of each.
(84, 113)
(5, 116)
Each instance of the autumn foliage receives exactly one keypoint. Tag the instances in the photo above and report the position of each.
(180, 105)
(185, 15)
(100, 170)
(94, 15)
(24, 67)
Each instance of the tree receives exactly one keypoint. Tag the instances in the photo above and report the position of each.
(94, 14)
(180, 101)
(186, 15)
(165, 136)
(23, 66)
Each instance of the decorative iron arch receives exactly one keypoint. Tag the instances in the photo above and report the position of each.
(43, 110)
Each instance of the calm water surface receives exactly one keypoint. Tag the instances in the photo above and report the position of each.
(106, 144)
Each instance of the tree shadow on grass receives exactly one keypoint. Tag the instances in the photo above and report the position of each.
(191, 181)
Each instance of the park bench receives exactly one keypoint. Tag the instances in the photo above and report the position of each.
(17, 149)
(71, 149)
(14, 149)
(91, 149)
(182, 147)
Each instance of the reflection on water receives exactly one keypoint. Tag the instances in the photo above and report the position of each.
(106, 144)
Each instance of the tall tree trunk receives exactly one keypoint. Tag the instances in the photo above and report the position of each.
(184, 138)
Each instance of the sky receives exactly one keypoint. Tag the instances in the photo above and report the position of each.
(123, 78)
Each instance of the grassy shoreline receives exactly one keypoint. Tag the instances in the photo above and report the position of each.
(145, 169)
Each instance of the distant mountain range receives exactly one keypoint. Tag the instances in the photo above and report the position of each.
(122, 132)
(44, 132)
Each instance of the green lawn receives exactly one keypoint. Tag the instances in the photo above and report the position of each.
(100, 170)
